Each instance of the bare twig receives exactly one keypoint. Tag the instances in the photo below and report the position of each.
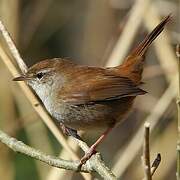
(19, 146)
(146, 153)
(178, 108)
(155, 165)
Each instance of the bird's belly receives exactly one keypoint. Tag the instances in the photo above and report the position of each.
(84, 116)
(96, 116)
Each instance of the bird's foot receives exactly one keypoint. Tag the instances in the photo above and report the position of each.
(70, 132)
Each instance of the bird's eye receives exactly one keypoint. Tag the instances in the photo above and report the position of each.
(40, 75)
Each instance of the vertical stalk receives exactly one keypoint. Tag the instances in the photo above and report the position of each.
(178, 109)
(146, 153)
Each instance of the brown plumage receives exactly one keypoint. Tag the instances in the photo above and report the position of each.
(83, 97)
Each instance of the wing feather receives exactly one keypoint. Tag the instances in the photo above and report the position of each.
(98, 86)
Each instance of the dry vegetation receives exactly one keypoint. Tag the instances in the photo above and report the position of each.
(94, 33)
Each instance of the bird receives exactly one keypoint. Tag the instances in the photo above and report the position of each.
(86, 98)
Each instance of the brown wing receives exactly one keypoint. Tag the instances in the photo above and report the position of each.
(97, 86)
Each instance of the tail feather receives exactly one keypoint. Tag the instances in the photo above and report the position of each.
(143, 46)
(133, 64)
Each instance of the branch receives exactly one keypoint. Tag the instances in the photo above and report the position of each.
(19, 146)
(146, 153)
(149, 170)
(178, 108)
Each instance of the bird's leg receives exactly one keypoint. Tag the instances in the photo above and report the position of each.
(92, 149)
(70, 132)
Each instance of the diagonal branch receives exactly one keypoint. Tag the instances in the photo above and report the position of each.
(19, 146)
(178, 111)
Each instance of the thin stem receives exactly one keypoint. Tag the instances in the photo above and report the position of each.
(146, 153)
(155, 165)
(178, 108)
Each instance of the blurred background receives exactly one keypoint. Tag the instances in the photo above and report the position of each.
(98, 33)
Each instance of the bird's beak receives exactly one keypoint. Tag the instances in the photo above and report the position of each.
(20, 78)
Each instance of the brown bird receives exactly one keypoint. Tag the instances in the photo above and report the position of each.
(84, 97)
